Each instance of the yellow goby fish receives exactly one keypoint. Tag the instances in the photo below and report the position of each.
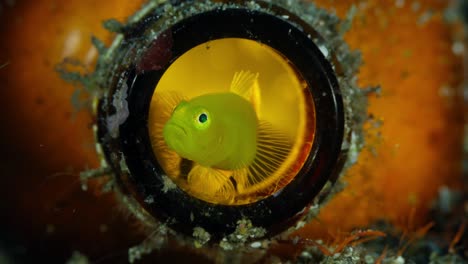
(216, 130)
(221, 133)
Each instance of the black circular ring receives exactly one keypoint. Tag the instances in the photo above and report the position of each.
(184, 212)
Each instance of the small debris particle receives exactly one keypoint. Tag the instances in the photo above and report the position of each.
(108, 186)
(346, 24)
(398, 260)
(120, 103)
(458, 48)
(300, 224)
(226, 245)
(91, 174)
(136, 253)
(306, 255)
(447, 199)
(244, 231)
(295, 240)
(99, 45)
(123, 165)
(446, 91)
(156, 241)
(444, 259)
(113, 25)
(425, 17)
(201, 237)
(149, 199)
(368, 259)
(324, 50)
(256, 244)
(168, 184)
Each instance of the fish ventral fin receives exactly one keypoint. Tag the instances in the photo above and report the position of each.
(211, 183)
(245, 84)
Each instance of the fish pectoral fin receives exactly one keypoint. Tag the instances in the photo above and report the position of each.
(243, 84)
(269, 166)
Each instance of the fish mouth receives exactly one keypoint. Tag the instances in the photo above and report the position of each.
(176, 129)
(174, 136)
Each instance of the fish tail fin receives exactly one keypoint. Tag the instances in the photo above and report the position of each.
(268, 171)
(243, 83)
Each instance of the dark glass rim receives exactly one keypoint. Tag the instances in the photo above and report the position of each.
(184, 212)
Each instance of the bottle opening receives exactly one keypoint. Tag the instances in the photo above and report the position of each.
(231, 121)
(223, 119)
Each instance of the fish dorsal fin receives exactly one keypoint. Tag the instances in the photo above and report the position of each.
(245, 84)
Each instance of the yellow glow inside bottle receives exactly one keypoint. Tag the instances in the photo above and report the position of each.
(282, 100)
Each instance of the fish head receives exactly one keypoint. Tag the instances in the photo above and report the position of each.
(191, 131)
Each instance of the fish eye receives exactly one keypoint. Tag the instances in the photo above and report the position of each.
(202, 118)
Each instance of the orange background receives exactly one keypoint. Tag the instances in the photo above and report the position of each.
(45, 142)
